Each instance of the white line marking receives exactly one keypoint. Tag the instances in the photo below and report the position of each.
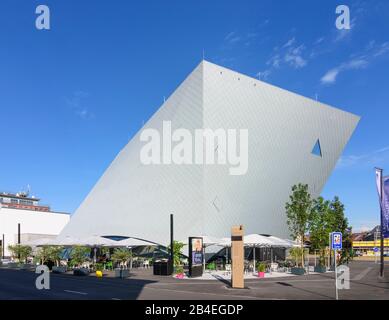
(116, 299)
(362, 274)
(76, 292)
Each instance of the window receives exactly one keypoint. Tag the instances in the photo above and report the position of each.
(317, 149)
(14, 201)
(26, 202)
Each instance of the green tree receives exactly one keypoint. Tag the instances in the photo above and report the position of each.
(79, 255)
(50, 253)
(121, 255)
(20, 252)
(298, 212)
(319, 227)
(177, 247)
(338, 222)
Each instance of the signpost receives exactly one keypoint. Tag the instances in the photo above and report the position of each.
(375, 253)
(237, 257)
(336, 244)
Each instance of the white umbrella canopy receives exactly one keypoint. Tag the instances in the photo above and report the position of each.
(257, 240)
(64, 242)
(225, 242)
(281, 243)
(292, 243)
(132, 242)
(96, 241)
(40, 242)
(207, 241)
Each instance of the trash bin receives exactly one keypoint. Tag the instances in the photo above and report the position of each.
(162, 268)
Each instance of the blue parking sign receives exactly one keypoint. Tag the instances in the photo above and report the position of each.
(336, 240)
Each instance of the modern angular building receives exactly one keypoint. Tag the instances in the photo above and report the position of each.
(291, 139)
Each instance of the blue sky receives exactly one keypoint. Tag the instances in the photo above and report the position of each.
(73, 96)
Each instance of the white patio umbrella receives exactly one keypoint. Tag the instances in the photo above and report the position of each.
(40, 242)
(95, 241)
(207, 241)
(225, 242)
(257, 240)
(278, 243)
(281, 243)
(65, 241)
(132, 242)
(292, 243)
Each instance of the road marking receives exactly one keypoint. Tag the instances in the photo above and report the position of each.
(207, 293)
(76, 292)
(116, 299)
(362, 274)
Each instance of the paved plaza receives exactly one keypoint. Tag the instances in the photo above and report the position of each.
(365, 284)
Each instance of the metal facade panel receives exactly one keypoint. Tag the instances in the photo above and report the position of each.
(283, 129)
(132, 199)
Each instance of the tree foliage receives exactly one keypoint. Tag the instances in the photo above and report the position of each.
(177, 247)
(298, 212)
(20, 252)
(121, 255)
(318, 217)
(50, 253)
(79, 255)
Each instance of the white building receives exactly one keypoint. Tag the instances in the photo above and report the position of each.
(291, 139)
(35, 221)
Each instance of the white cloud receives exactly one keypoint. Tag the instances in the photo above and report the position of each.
(232, 37)
(289, 54)
(289, 43)
(75, 103)
(372, 158)
(330, 76)
(263, 75)
(294, 57)
(357, 62)
(344, 33)
(274, 61)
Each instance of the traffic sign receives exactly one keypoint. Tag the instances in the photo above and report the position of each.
(376, 249)
(336, 240)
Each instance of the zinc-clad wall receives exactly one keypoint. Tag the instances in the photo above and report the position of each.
(283, 129)
(132, 199)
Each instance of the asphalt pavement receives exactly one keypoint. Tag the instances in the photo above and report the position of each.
(365, 284)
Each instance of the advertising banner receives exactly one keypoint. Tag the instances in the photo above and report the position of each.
(196, 257)
(383, 193)
(385, 206)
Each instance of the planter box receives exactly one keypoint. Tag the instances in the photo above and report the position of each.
(61, 269)
(81, 272)
(179, 276)
(27, 267)
(13, 265)
(320, 269)
(297, 271)
(122, 273)
(261, 274)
